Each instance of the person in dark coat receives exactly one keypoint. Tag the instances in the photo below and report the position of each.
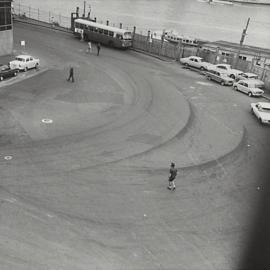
(71, 74)
(173, 173)
(98, 48)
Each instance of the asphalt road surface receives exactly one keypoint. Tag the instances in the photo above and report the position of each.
(84, 165)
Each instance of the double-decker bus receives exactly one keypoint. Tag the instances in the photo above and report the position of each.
(105, 34)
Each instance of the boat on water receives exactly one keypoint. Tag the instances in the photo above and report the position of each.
(173, 37)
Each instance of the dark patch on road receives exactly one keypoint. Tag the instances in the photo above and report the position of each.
(80, 96)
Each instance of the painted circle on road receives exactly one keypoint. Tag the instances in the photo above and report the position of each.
(47, 121)
(7, 157)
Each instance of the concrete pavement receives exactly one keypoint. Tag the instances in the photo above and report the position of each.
(88, 191)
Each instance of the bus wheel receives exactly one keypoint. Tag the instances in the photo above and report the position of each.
(111, 43)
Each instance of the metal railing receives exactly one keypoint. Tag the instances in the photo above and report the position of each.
(50, 17)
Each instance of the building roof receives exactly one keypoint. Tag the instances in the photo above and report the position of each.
(235, 46)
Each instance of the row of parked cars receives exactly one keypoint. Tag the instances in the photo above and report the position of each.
(224, 74)
(20, 63)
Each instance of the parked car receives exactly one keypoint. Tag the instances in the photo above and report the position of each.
(250, 87)
(195, 61)
(24, 62)
(262, 111)
(250, 76)
(6, 71)
(219, 77)
(226, 68)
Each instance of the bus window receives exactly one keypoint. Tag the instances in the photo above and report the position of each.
(105, 32)
(119, 36)
(96, 29)
(100, 31)
(127, 35)
(91, 28)
(110, 33)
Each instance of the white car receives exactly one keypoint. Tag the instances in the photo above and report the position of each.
(249, 76)
(249, 87)
(195, 61)
(24, 62)
(262, 111)
(228, 69)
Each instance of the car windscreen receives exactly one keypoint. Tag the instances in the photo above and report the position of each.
(20, 59)
(4, 67)
(253, 77)
(264, 109)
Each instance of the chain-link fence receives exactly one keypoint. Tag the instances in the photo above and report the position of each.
(40, 15)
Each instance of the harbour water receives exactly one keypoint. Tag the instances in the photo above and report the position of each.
(218, 20)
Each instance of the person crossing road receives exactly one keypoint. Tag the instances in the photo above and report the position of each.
(172, 176)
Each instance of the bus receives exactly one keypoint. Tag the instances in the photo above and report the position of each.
(105, 34)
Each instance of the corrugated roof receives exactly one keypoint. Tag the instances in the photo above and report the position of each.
(235, 46)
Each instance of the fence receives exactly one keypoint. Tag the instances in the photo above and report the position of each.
(50, 17)
(149, 45)
(40, 15)
(177, 51)
(165, 49)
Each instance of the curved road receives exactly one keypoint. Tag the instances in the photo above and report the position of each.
(88, 191)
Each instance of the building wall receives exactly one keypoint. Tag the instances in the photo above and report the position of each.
(6, 42)
(6, 32)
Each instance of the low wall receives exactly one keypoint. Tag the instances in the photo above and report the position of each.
(6, 42)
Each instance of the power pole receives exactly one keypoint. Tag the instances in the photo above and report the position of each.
(244, 33)
(84, 8)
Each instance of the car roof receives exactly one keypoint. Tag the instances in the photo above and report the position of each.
(249, 81)
(23, 56)
(250, 74)
(264, 104)
(225, 65)
(198, 57)
(255, 81)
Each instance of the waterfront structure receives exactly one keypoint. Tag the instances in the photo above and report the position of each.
(228, 51)
(6, 31)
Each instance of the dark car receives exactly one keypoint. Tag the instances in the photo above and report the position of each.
(219, 77)
(6, 71)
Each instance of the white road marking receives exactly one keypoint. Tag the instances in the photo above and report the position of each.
(7, 157)
(50, 216)
(47, 121)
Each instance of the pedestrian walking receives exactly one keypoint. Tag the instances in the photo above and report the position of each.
(98, 48)
(71, 74)
(172, 176)
(82, 36)
(89, 48)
